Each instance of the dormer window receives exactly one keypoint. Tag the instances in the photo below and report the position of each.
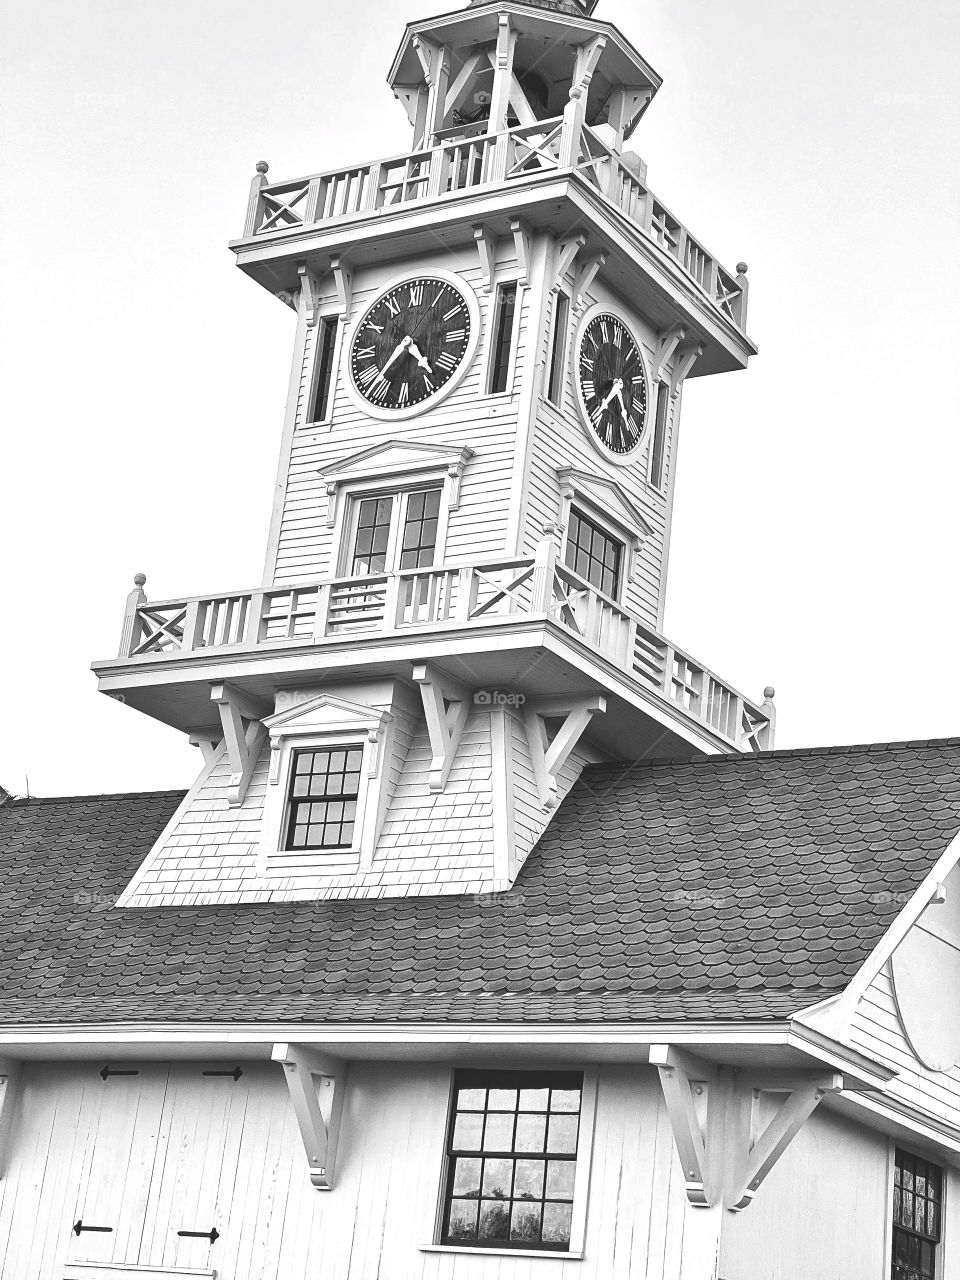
(594, 554)
(324, 792)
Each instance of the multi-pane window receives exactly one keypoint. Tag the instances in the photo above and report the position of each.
(917, 1201)
(503, 338)
(395, 530)
(324, 786)
(512, 1159)
(593, 554)
(323, 375)
(658, 448)
(558, 347)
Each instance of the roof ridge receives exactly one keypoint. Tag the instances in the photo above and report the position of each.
(16, 801)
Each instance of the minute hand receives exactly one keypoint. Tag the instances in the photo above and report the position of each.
(402, 346)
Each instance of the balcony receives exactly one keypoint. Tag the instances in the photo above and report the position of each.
(516, 161)
(475, 609)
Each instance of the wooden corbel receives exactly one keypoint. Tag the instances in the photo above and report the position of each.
(687, 357)
(566, 255)
(309, 292)
(804, 1092)
(686, 1081)
(316, 1083)
(522, 246)
(487, 248)
(9, 1092)
(209, 744)
(446, 707)
(242, 719)
(343, 279)
(667, 343)
(550, 757)
(409, 95)
(586, 276)
(627, 105)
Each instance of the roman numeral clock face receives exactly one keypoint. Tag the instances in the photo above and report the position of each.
(613, 384)
(410, 344)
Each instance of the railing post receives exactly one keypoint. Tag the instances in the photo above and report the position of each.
(391, 602)
(464, 605)
(668, 661)
(544, 568)
(439, 159)
(740, 305)
(574, 114)
(767, 737)
(130, 635)
(323, 608)
(311, 206)
(255, 611)
(191, 628)
(253, 204)
(373, 186)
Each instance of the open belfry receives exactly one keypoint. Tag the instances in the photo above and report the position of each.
(494, 938)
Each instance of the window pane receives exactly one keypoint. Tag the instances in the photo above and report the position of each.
(531, 1132)
(659, 436)
(419, 540)
(528, 1180)
(558, 348)
(565, 1100)
(467, 1133)
(463, 1219)
(525, 1222)
(498, 1134)
(562, 1134)
(556, 1223)
(497, 1179)
(503, 340)
(326, 347)
(534, 1099)
(471, 1099)
(560, 1178)
(494, 1220)
(593, 555)
(466, 1177)
(502, 1100)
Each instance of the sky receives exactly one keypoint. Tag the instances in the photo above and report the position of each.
(143, 376)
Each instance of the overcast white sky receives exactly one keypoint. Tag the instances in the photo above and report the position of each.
(144, 377)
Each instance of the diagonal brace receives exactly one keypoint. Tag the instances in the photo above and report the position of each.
(243, 732)
(446, 707)
(316, 1084)
(550, 757)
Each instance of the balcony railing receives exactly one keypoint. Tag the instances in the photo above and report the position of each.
(448, 596)
(560, 145)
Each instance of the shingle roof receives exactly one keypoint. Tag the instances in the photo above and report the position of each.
(723, 889)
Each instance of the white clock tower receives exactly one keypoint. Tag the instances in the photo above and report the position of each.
(463, 594)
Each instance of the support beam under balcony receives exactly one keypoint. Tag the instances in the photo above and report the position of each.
(446, 706)
(243, 731)
(316, 1083)
(550, 755)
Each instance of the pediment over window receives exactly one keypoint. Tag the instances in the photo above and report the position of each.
(397, 462)
(606, 497)
(324, 716)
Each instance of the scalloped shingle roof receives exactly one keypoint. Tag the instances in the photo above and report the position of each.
(722, 889)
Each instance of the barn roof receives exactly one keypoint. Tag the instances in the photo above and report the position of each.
(730, 888)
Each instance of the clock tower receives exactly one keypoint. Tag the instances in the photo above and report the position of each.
(462, 600)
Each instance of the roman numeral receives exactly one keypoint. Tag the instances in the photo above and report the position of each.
(589, 388)
(379, 390)
(456, 335)
(368, 375)
(404, 395)
(638, 381)
(366, 353)
(416, 295)
(446, 361)
(586, 363)
(605, 330)
(392, 305)
(378, 328)
(429, 383)
(454, 311)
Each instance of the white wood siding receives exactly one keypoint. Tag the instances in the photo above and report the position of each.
(175, 1150)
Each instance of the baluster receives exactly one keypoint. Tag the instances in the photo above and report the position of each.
(132, 626)
(253, 204)
(193, 627)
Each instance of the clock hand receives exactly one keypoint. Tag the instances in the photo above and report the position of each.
(402, 346)
(617, 391)
(623, 406)
(420, 358)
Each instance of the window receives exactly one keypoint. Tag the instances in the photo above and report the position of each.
(917, 1199)
(558, 347)
(394, 530)
(593, 554)
(659, 435)
(503, 338)
(323, 377)
(512, 1160)
(324, 788)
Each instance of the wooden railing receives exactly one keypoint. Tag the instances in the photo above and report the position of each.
(449, 596)
(563, 144)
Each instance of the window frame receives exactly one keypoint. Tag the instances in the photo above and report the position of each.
(659, 435)
(584, 1162)
(323, 321)
(494, 342)
(559, 350)
(896, 1154)
(400, 494)
(292, 803)
(605, 531)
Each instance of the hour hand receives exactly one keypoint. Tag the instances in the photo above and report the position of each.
(420, 358)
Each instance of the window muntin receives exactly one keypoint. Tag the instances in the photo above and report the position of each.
(558, 347)
(511, 1159)
(594, 554)
(917, 1217)
(323, 378)
(394, 530)
(324, 789)
(658, 448)
(503, 338)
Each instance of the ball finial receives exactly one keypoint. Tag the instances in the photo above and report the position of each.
(139, 579)
(742, 268)
(769, 693)
(262, 166)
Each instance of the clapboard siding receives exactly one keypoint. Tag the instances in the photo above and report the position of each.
(200, 1151)
(876, 1029)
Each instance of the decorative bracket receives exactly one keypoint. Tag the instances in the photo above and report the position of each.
(587, 274)
(667, 343)
(566, 255)
(343, 279)
(487, 248)
(309, 292)
(588, 55)
(209, 744)
(446, 706)
(687, 357)
(550, 757)
(724, 1154)
(686, 1081)
(316, 1084)
(522, 245)
(804, 1094)
(243, 731)
(9, 1089)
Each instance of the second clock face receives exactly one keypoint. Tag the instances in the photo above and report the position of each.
(410, 343)
(613, 383)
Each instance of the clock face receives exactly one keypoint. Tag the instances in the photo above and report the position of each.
(410, 343)
(613, 383)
